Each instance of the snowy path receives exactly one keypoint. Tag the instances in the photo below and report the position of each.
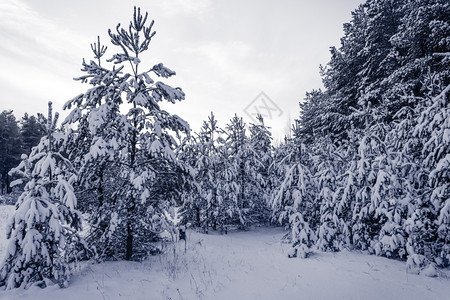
(242, 265)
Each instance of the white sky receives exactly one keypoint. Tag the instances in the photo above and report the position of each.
(225, 52)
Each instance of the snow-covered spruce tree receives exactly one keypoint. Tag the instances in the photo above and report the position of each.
(437, 147)
(132, 137)
(44, 242)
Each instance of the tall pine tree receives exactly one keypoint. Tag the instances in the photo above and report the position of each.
(126, 131)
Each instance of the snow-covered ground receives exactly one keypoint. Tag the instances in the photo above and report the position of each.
(240, 265)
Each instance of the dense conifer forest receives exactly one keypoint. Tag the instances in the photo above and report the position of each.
(366, 166)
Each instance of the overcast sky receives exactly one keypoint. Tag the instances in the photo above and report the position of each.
(225, 52)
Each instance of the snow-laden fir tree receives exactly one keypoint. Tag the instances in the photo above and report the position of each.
(129, 136)
(43, 239)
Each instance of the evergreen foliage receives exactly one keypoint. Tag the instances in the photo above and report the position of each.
(44, 243)
(367, 168)
(17, 138)
(125, 144)
(383, 173)
(10, 144)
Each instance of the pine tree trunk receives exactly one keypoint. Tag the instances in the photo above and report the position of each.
(8, 187)
(197, 211)
(242, 189)
(129, 252)
(131, 208)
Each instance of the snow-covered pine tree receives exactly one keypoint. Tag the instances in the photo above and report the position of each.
(130, 131)
(31, 131)
(382, 196)
(429, 225)
(294, 200)
(217, 155)
(341, 77)
(235, 192)
(391, 192)
(258, 160)
(208, 164)
(424, 30)
(399, 182)
(277, 173)
(383, 19)
(347, 187)
(390, 197)
(187, 188)
(315, 114)
(365, 225)
(44, 242)
(333, 233)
